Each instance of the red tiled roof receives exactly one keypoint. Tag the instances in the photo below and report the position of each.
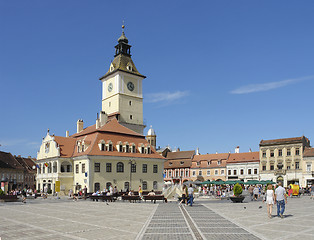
(111, 126)
(284, 140)
(308, 152)
(243, 157)
(178, 163)
(8, 161)
(66, 145)
(207, 157)
(181, 155)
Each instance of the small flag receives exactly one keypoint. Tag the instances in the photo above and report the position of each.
(46, 164)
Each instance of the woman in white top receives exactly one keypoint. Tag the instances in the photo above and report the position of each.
(270, 198)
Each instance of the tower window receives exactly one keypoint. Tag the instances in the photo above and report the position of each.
(109, 104)
(130, 103)
(131, 117)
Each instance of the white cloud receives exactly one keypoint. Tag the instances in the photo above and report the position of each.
(165, 96)
(267, 86)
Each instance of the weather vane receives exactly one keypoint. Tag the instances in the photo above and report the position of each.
(123, 26)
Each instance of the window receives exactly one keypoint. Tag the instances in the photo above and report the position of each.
(194, 173)
(272, 153)
(109, 104)
(120, 167)
(133, 149)
(120, 148)
(181, 163)
(308, 167)
(297, 151)
(103, 147)
(234, 172)
(110, 147)
(97, 167)
(155, 169)
(148, 150)
(144, 168)
(241, 171)
(271, 167)
(54, 167)
(288, 152)
(131, 117)
(127, 148)
(219, 162)
(83, 168)
(208, 163)
(222, 172)
(181, 175)
(288, 167)
(264, 167)
(144, 185)
(133, 167)
(249, 171)
(198, 163)
(76, 168)
(255, 170)
(216, 172)
(280, 152)
(108, 167)
(169, 173)
(155, 185)
(208, 173)
(264, 154)
(229, 172)
(200, 173)
(142, 150)
(187, 173)
(96, 186)
(130, 103)
(297, 165)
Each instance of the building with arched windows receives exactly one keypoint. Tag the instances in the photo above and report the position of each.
(113, 151)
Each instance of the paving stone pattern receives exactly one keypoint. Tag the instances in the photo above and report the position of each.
(197, 222)
(168, 222)
(213, 226)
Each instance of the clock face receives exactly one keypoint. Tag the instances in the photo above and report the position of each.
(130, 86)
(110, 87)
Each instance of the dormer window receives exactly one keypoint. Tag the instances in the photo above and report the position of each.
(219, 162)
(111, 67)
(198, 163)
(103, 147)
(181, 163)
(129, 67)
(148, 150)
(208, 163)
(170, 163)
(110, 147)
(120, 147)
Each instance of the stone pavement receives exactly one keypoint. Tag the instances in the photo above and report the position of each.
(207, 219)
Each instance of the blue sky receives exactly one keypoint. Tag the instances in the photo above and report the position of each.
(219, 73)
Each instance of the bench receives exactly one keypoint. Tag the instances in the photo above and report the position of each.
(131, 198)
(154, 198)
(102, 198)
(8, 198)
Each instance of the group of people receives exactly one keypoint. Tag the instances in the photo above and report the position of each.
(278, 196)
(187, 195)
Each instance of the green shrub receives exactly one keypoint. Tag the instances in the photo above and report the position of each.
(1, 192)
(237, 189)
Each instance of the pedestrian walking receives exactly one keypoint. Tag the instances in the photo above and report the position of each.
(84, 192)
(184, 195)
(312, 191)
(269, 198)
(255, 193)
(140, 192)
(281, 199)
(190, 197)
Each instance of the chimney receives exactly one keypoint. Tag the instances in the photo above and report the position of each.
(197, 151)
(250, 150)
(103, 118)
(79, 125)
(237, 149)
(216, 152)
(67, 133)
(97, 122)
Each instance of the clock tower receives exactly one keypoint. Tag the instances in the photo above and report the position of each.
(122, 95)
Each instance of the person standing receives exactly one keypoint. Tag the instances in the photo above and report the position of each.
(270, 197)
(140, 192)
(312, 191)
(281, 199)
(84, 192)
(251, 191)
(256, 193)
(190, 197)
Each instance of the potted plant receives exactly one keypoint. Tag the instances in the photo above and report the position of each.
(237, 190)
